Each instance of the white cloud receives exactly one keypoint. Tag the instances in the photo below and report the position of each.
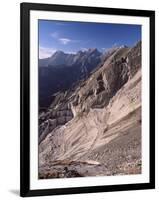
(84, 49)
(105, 49)
(115, 44)
(64, 40)
(45, 52)
(55, 35)
(71, 52)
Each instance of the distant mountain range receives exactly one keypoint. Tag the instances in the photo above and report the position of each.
(62, 71)
(61, 58)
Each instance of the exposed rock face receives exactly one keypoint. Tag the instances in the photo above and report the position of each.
(95, 128)
(58, 114)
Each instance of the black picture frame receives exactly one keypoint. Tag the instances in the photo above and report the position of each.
(25, 9)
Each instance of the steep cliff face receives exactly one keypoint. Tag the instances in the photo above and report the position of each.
(95, 128)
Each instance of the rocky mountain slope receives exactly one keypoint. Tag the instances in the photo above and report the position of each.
(94, 129)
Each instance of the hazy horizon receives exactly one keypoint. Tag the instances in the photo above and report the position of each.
(70, 37)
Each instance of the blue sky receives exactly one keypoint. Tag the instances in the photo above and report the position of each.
(74, 36)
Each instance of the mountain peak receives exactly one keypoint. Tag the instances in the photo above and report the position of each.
(80, 52)
(91, 50)
(123, 46)
(59, 52)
